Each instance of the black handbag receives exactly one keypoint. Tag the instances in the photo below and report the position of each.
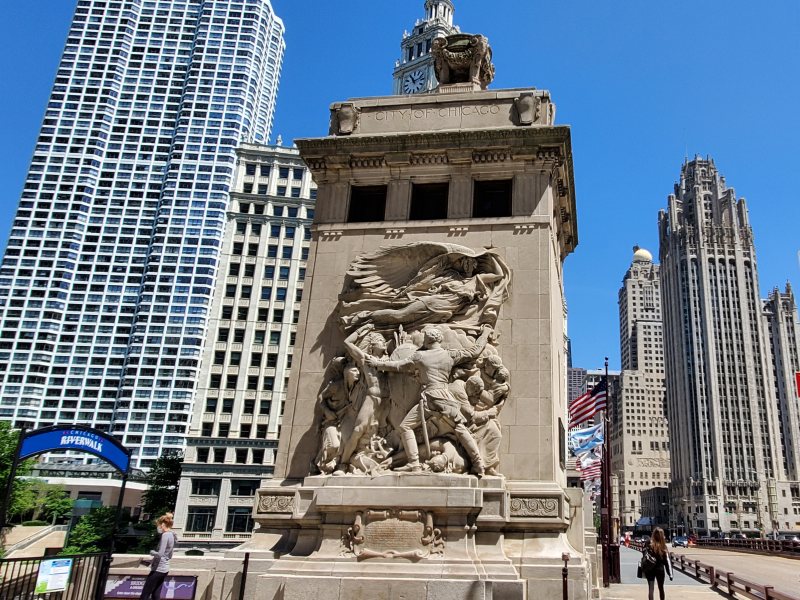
(639, 571)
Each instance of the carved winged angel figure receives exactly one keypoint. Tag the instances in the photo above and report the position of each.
(421, 283)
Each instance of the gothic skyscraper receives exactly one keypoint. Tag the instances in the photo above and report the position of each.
(728, 468)
(112, 260)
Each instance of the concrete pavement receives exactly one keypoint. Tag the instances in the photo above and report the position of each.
(19, 533)
(629, 561)
(671, 592)
(51, 540)
(632, 588)
(781, 573)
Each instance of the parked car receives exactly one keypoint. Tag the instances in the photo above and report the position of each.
(788, 537)
(680, 541)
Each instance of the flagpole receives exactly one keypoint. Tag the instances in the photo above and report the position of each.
(611, 572)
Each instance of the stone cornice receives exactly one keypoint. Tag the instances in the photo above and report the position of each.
(507, 138)
(547, 148)
(225, 469)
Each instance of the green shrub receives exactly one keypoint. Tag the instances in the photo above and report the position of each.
(34, 523)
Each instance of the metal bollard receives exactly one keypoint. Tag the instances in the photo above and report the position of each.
(564, 573)
(245, 566)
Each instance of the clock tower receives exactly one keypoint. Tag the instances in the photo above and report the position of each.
(413, 73)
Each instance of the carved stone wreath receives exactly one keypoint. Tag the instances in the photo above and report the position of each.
(394, 534)
(534, 507)
(276, 504)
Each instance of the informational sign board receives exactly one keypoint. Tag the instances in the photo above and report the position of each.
(76, 438)
(176, 587)
(53, 575)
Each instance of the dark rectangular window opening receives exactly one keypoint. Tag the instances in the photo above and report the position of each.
(367, 203)
(492, 199)
(429, 201)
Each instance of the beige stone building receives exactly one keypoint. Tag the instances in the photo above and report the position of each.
(248, 352)
(460, 171)
(639, 438)
(783, 330)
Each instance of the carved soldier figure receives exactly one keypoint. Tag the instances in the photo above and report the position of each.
(432, 366)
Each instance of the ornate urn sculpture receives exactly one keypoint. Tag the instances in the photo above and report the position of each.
(463, 58)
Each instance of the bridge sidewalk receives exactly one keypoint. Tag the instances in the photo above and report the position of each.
(684, 587)
(639, 591)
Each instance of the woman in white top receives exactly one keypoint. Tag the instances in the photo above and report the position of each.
(159, 566)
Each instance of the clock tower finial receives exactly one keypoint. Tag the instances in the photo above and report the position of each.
(413, 73)
(439, 9)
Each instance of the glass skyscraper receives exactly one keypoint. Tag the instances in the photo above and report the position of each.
(112, 260)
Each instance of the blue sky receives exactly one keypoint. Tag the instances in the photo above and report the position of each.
(642, 84)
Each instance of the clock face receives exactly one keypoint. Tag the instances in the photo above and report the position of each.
(414, 82)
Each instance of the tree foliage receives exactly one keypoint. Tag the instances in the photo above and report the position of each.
(93, 532)
(9, 438)
(162, 482)
(36, 499)
(56, 503)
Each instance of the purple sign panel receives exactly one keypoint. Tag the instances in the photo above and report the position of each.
(176, 587)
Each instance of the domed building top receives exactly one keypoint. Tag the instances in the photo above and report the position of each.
(641, 255)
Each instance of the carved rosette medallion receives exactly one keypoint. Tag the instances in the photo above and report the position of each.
(394, 534)
(534, 507)
(276, 504)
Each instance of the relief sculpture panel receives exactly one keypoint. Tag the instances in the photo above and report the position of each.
(421, 384)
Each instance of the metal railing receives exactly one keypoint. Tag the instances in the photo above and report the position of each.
(18, 577)
(725, 581)
(760, 545)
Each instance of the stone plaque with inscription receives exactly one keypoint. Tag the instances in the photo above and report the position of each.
(394, 534)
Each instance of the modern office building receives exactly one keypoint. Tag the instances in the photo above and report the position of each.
(575, 382)
(246, 360)
(413, 72)
(729, 473)
(639, 434)
(108, 277)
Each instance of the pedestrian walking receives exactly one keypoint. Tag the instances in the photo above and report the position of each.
(159, 565)
(655, 563)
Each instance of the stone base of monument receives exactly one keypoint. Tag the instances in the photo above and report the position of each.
(425, 536)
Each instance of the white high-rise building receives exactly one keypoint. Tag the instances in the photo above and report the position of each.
(112, 261)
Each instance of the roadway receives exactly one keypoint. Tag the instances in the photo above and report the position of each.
(781, 573)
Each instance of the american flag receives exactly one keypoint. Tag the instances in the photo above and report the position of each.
(593, 471)
(584, 407)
